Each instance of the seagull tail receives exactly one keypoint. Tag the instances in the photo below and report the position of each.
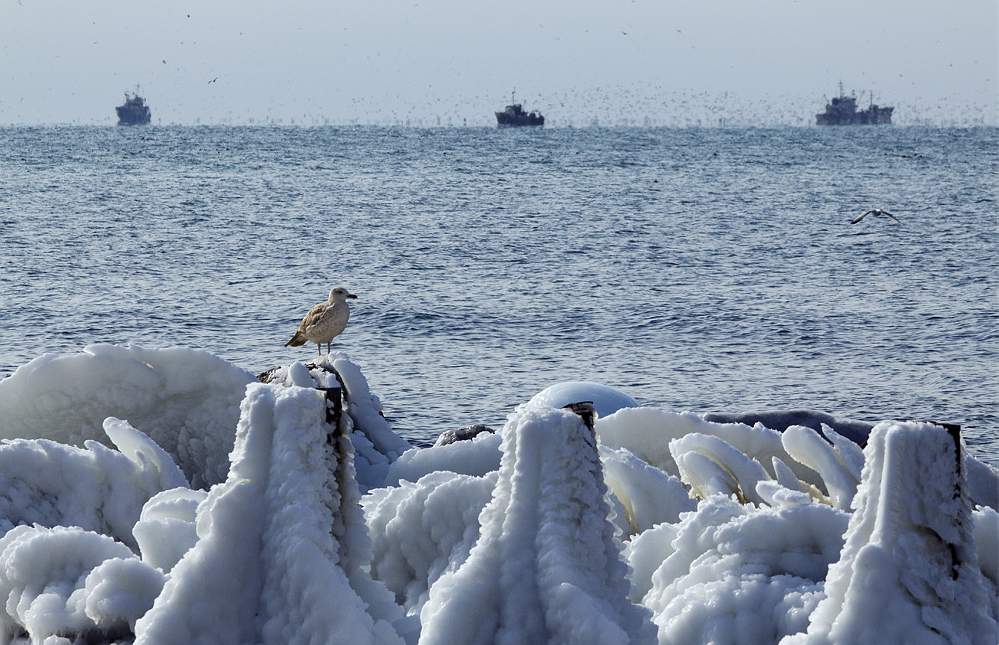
(296, 340)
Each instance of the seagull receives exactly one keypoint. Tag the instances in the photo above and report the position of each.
(876, 212)
(324, 322)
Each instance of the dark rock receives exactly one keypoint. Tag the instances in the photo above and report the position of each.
(462, 434)
(781, 420)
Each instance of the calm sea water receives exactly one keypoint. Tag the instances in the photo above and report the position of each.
(698, 269)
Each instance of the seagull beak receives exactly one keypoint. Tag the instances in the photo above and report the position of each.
(351, 296)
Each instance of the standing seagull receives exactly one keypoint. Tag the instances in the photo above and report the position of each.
(876, 212)
(324, 322)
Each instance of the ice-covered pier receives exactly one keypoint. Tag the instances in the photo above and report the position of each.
(164, 497)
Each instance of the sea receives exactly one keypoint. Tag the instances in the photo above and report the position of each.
(695, 269)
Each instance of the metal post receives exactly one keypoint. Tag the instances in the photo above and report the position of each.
(333, 395)
(334, 404)
(585, 411)
(954, 430)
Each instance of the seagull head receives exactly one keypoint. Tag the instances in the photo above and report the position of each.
(340, 294)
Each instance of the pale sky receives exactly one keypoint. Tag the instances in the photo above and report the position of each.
(379, 61)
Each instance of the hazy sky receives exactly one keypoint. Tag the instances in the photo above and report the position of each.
(671, 62)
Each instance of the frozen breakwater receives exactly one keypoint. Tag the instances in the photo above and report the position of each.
(164, 496)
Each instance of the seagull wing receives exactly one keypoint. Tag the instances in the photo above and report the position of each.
(860, 217)
(314, 316)
(891, 216)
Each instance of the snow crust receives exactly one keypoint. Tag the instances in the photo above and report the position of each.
(546, 567)
(187, 401)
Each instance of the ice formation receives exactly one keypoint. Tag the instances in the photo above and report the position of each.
(986, 528)
(375, 445)
(733, 533)
(731, 573)
(546, 567)
(187, 401)
(478, 456)
(908, 573)
(166, 527)
(266, 566)
(605, 399)
(710, 465)
(96, 488)
(647, 433)
(67, 580)
(422, 530)
(643, 495)
(836, 464)
(780, 420)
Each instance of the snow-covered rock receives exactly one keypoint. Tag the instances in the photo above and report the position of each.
(606, 400)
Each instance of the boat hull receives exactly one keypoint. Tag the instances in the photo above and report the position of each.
(505, 120)
(873, 116)
(133, 117)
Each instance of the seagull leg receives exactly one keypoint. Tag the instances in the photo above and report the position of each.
(319, 348)
(328, 345)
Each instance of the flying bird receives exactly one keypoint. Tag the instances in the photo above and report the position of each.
(324, 322)
(876, 212)
(213, 80)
